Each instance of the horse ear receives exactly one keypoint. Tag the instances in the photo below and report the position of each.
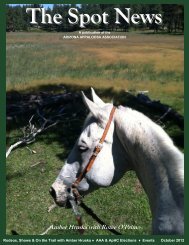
(93, 108)
(96, 99)
(97, 111)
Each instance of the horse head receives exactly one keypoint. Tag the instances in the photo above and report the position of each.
(109, 165)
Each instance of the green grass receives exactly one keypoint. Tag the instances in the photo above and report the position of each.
(45, 66)
(28, 197)
(42, 61)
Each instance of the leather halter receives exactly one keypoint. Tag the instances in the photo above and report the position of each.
(96, 151)
(75, 197)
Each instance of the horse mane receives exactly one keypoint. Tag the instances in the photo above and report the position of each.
(159, 143)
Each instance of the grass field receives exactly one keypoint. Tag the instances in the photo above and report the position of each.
(40, 62)
(142, 62)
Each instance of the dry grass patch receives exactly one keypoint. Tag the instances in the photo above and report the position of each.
(162, 58)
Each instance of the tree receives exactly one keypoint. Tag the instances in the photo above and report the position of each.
(173, 17)
(154, 9)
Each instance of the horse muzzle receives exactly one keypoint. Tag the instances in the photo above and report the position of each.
(61, 199)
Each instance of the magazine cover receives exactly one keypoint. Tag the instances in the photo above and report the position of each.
(94, 123)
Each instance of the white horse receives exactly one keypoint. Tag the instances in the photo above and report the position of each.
(134, 142)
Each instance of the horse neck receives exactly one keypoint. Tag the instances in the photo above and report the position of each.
(158, 164)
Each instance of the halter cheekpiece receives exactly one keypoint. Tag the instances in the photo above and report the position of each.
(96, 151)
(74, 196)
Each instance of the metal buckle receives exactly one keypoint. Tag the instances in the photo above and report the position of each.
(99, 146)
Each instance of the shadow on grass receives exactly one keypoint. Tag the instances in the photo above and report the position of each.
(67, 131)
(14, 175)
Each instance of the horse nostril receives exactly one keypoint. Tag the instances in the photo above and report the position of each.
(52, 192)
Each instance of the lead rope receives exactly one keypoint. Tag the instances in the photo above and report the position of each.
(74, 202)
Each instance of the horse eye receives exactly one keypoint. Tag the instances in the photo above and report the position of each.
(82, 148)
